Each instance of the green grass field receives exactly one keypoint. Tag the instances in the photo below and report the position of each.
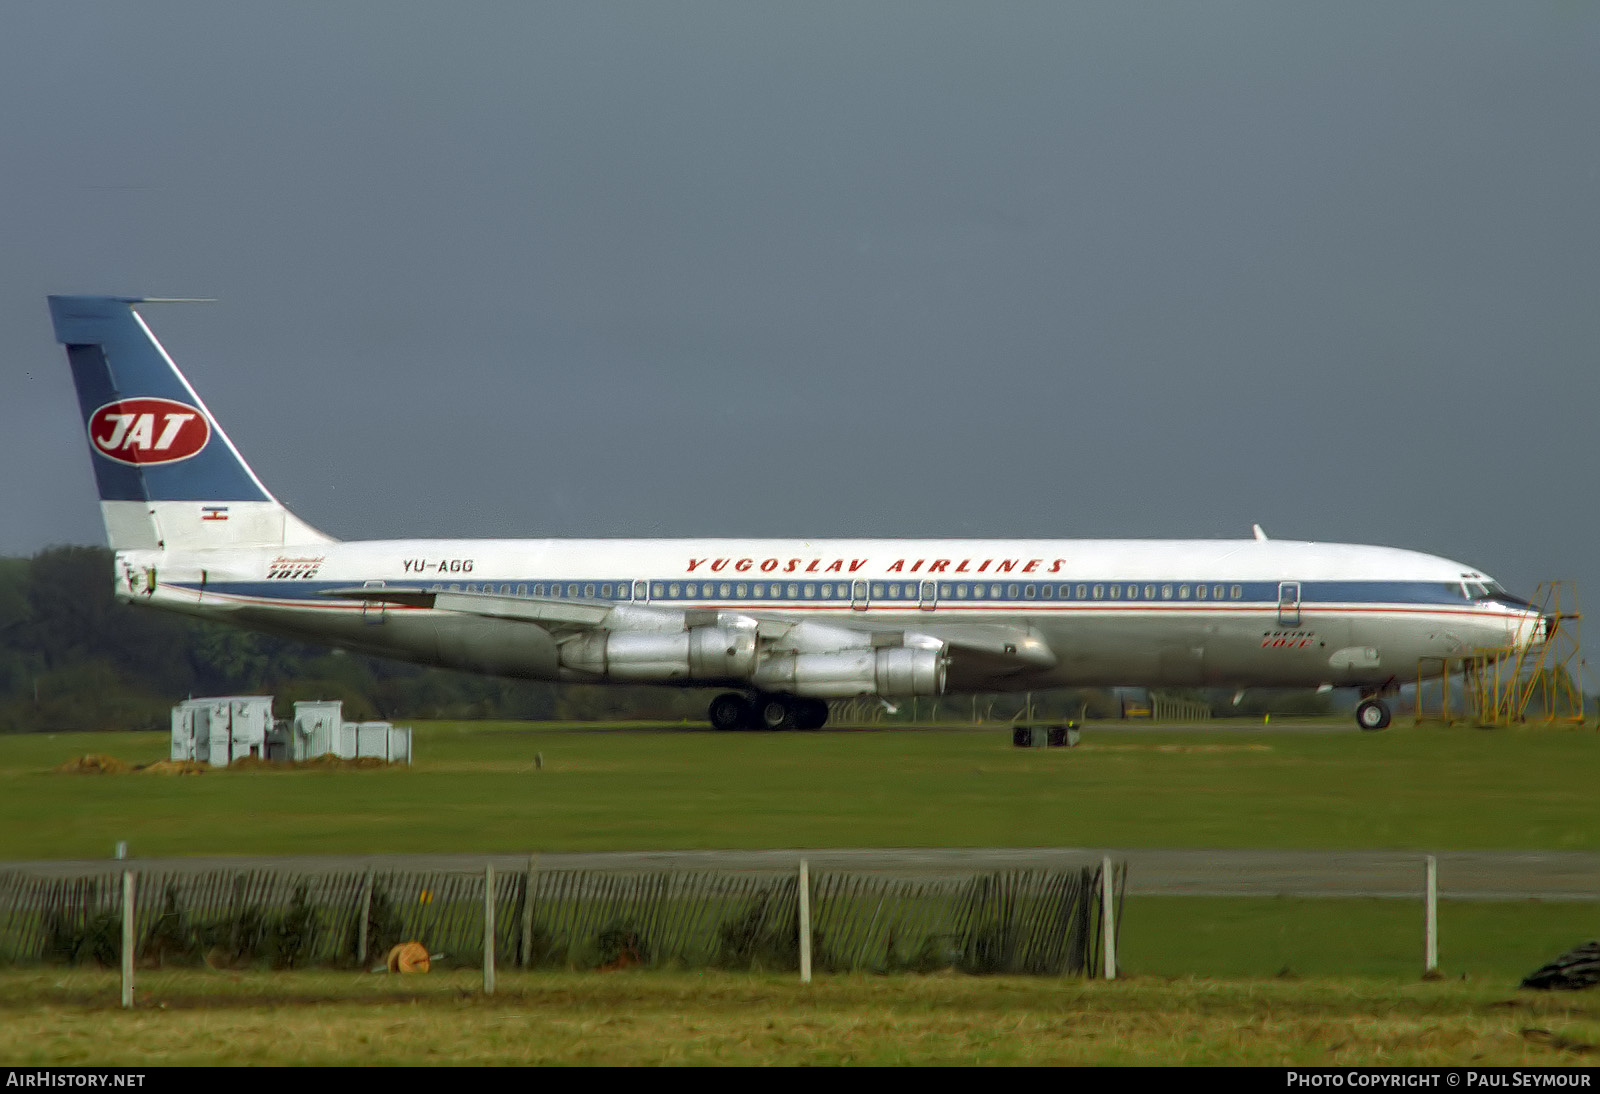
(1239, 980)
(475, 788)
(67, 1017)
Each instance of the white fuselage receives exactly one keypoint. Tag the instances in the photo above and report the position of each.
(1232, 613)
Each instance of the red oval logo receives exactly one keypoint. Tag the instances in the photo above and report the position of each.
(148, 430)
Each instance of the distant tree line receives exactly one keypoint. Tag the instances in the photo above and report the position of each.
(73, 658)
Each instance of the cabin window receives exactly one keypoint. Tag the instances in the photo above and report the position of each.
(1133, 592)
(588, 590)
(944, 590)
(1150, 592)
(1097, 591)
(742, 590)
(811, 592)
(1199, 591)
(1116, 592)
(1237, 592)
(675, 589)
(1049, 591)
(455, 588)
(723, 590)
(1166, 592)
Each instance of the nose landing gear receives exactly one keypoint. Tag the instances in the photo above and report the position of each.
(1372, 714)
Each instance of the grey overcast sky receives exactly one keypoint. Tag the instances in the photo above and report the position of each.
(832, 269)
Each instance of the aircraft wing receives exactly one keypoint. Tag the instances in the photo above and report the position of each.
(571, 613)
(985, 650)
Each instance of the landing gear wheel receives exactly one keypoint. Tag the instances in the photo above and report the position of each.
(776, 712)
(730, 710)
(1373, 714)
(810, 714)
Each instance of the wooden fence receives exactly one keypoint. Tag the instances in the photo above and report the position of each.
(1046, 922)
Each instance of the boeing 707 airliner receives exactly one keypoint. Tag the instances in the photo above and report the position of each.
(778, 627)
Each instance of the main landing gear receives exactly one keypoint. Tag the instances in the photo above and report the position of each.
(1372, 713)
(731, 710)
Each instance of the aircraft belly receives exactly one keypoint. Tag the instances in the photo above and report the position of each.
(494, 646)
(1402, 641)
(1110, 651)
(1235, 650)
(1259, 651)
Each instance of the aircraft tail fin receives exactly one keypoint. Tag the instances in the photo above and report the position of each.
(169, 477)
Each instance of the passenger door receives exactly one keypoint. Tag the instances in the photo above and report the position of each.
(1288, 603)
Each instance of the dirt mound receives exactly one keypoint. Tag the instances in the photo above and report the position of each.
(175, 767)
(92, 763)
(256, 763)
(339, 763)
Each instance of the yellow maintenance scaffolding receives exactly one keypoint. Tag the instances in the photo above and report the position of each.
(1510, 685)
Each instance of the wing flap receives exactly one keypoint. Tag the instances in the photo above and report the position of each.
(572, 613)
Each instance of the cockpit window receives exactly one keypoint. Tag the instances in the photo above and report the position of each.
(1498, 592)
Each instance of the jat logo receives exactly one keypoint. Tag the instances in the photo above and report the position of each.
(148, 430)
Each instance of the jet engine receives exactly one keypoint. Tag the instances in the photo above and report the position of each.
(842, 674)
(699, 653)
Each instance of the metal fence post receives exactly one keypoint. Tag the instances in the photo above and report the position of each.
(1108, 917)
(1430, 929)
(127, 938)
(526, 950)
(488, 928)
(366, 917)
(805, 922)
